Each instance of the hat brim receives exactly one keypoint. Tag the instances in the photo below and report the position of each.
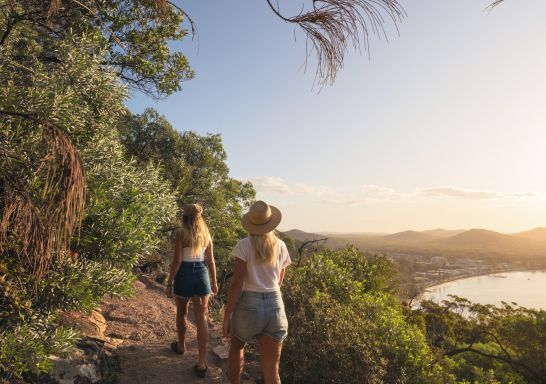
(262, 229)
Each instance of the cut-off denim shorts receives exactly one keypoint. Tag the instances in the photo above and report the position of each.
(257, 313)
(192, 279)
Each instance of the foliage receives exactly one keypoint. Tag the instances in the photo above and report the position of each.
(29, 330)
(348, 326)
(290, 242)
(127, 205)
(133, 35)
(60, 104)
(196, 168)
(41, 173)
(27, 347)
(80, 285)
(479, 342)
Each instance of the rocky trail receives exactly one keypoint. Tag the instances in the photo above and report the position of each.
(146, 324)
(136, 335)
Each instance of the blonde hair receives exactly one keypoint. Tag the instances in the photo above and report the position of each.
(265, 247)
(194, 233)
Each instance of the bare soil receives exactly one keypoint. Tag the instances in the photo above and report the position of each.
(146, 324)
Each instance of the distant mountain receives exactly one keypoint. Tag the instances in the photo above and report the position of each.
(494, 243)
(440, 232)
(453, 243)
(477, 238)
(537, 234)
(299, 235)
(354, 234)
(409, 237)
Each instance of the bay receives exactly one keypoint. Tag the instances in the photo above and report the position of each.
(527, 289)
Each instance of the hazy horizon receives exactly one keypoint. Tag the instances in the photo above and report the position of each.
(379, 233)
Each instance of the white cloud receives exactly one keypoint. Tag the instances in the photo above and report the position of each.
(376, 189)
(524, 194)
(325, 194)
(371, 193)
(303, 188)
(463, 193)
(270, 184)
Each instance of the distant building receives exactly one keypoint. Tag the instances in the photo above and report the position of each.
(439, 261)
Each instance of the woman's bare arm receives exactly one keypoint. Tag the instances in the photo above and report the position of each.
(211, 264)
(175, 264)
(281, 277)
(234, 291)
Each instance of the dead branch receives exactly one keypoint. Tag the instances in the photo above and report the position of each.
(306, 245)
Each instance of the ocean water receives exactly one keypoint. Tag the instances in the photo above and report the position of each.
(527, 289)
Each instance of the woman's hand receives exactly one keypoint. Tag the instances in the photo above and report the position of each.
(214, 288)
(225, 329)
(169, 291)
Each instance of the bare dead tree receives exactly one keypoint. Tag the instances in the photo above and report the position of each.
(309, 246)
(412, 291)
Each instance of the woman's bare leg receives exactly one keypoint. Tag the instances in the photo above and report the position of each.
(181, 322)
(236, 360)
(200, 308)
(271, 356)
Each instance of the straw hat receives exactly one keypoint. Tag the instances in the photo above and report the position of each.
(192, 210)
(261, 218)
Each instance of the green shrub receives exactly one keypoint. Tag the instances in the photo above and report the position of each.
(27, 347)
(126, 205)
(80, 286)
(482, 343)
(347, 326)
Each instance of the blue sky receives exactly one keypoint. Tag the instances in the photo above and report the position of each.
(442, 126)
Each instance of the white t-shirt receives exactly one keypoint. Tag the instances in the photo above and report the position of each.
(261, 277)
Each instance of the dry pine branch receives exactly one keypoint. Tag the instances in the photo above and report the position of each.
(333, 25)
(44, 225)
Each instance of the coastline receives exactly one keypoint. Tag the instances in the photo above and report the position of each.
(424, 289)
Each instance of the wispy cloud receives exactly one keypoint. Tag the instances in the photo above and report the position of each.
(472, 194)
(380, 191)
(270, 184)
(463, 193)
(267, 184)
(372, 193)
(325, 194)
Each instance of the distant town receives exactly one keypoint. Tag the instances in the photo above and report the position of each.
(428, 258)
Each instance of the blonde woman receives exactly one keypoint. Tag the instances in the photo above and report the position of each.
(192, 263)
(254, 307)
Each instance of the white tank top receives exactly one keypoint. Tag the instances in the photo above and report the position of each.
(187, 255)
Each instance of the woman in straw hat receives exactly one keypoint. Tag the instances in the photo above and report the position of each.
(192, 263)
(254, 306)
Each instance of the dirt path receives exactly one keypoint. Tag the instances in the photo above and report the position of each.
(146, 324)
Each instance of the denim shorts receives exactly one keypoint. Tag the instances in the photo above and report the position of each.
(192, 279)
(259, 313)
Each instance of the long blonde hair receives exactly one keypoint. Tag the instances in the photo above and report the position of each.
(265, 247)
(194, 231)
